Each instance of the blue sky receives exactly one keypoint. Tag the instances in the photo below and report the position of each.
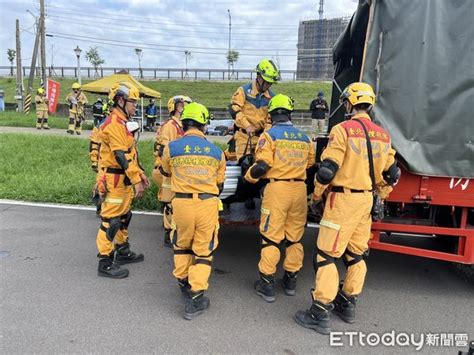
(164, 30)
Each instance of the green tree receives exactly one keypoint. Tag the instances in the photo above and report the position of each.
(93, 57)
(11, 53)
(232, 57)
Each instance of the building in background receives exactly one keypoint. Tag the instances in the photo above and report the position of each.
(315, 41)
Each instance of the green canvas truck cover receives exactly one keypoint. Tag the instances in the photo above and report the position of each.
(420, 61)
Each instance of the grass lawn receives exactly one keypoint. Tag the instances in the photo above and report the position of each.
(213, 94)
(56, 169)
(15, 119)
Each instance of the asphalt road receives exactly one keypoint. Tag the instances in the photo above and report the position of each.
(52, 300)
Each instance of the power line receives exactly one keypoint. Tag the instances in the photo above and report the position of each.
(170, 23)
(167, 47)
(105, 21)
(153, 47)
(211, 48)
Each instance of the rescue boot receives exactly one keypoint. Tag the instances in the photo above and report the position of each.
(70, 131)
(289, 283)
(344, 307)
(167, 238)
(107, 268)
(316, 318)
(196, 303)
(123, 255)
(184, 286)
(265, 287)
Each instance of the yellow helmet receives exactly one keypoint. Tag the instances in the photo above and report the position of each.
(175, 99)
(76, 86)
(124, 89)
(40, 91)
(196, 112)
(282, 102)
(268, 70)
(358, 93)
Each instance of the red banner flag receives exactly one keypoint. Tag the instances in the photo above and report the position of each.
(53, 95)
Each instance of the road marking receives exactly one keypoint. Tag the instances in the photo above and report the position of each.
(67, 207)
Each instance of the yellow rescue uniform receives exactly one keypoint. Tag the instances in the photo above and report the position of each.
(251, 108)
(168, 132)
(115, 183)
(196, 168)
(76, 104)
(41, 111)
(288, 153)
(94, 146)
(345, 226)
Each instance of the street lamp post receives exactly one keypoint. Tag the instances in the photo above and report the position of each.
(139, 53)
(78, 51)
(187, 56)
(228, 53)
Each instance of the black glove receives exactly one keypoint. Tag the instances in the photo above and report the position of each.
(316, 210)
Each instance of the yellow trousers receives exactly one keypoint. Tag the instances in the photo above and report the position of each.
(242, 142)
(197, 223)
(344, 232)
(115, 214)
(283, 217)
(75, 122)
(164, 195)
(41, 119)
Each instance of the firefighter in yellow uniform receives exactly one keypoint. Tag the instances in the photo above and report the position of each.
(345, 226)
(41, 109)
(250, 105)
(76, 101)
(169, 131)
(94, 148)
(120, 175)
(282, 157)
(197, 171)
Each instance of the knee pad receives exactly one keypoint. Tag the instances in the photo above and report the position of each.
(269, 242)
(356, 258)
(114, 226)
(289, 243)
(126, 218)
(328, 260)
(167, 209)
(203, 261)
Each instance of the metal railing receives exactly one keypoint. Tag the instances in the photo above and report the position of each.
(159, 73)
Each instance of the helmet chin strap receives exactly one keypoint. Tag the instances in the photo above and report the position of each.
(348, 115)
(122, 108)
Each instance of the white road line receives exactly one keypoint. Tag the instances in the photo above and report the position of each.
(67, 207)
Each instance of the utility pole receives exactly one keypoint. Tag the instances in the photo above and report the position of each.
(19, 71)
(43, 44)
(29, 89)
(228, 53)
